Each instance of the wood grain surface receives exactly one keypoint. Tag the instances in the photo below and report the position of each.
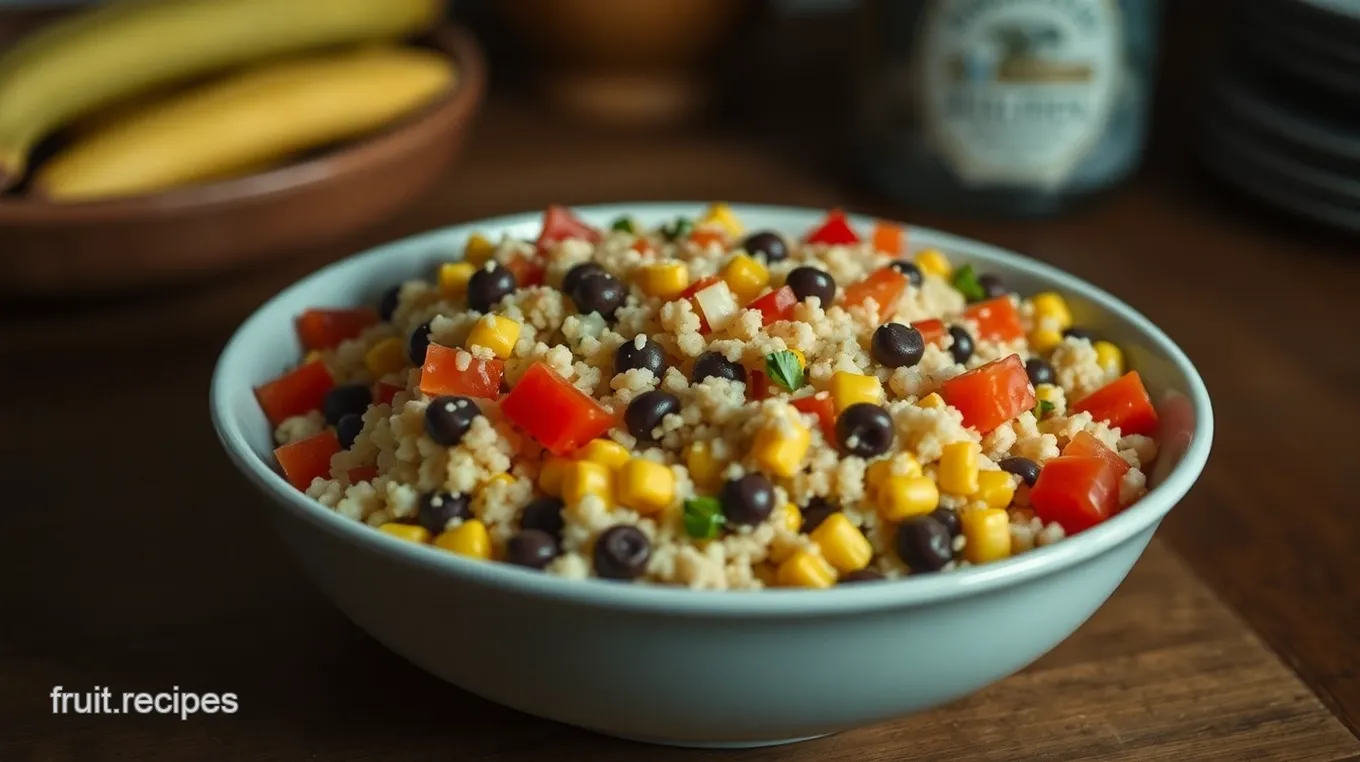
(134, 557)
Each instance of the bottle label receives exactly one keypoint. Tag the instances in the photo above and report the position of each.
(1018, 92)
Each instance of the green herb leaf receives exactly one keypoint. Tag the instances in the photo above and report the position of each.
(622, 225)
(680, 228)
(703, 517)
(1043, 408)
(782, 367)
(966, 281)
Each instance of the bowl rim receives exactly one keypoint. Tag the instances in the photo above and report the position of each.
(777, 602)
(377, 149)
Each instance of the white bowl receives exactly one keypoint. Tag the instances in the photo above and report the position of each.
(704, 668)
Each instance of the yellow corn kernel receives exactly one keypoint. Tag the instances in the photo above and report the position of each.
(988, 533)
(959, 468)
(454, 277)
(312, 356)
(934, 262)
(704, 469)
(1044, 339)
(665, 280)
(722, 215)
(842, 544)
(791, 518)
(582, 478)
(745, 277)
(901, 497)
(766, 573)
(932, 401)
(802, 358)
(850, 388)
(1109, 358)
(1050, 311)
(408, 532)
(1052, 395)
(469, 538)
(496, 333)
(496, 479)
(606, 452)
(645, 486)
(805, 569)
(779, 448)
(387, 356)
(550, 475)
(996, 488)
(880, 470)
(478, 250)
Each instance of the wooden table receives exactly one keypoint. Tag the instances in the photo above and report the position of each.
(133, 556)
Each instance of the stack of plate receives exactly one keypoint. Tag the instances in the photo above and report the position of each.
(1282, 120)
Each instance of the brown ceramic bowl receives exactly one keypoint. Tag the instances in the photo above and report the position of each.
(49, 250)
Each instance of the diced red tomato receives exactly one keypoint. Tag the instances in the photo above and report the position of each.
(997, 319)
(326, 328)
(884, 286)
(297, 392)
(889, 238)
(527, 271)
(306, 459)
(759, 386)
(1124, 403)
(643, 247)
(992, 394)
(702, 237)
(1075, 492)
(834, 230)
(441, 375)
(932, 331)
(560, 224)
(362, 474)
(775, 306)
(552, 411)
(699, 285)
(384, 392)
(1085, 445)
(820, 405)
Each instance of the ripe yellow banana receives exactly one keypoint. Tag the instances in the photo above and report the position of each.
(73, 67)
(259, 115)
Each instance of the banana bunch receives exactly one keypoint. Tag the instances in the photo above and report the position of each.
(158, 94)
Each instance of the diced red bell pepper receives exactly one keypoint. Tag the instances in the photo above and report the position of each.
(527, 271)
(702, 237)
(384, 392)
(775, 306)
(306, 459)
(997, 319)
(1075, 492)
(884, 286)
(552, 411)
(992, 394)
(759, 386)
(699, 285)
(1085, 445)
(834, 230)
(889, 238)
(1122, 403)
(441, 375)
(643, 247)
(297, 392)
(820, 405)
(326, 328)
(362, 474)
(560, 224)
(932, 331)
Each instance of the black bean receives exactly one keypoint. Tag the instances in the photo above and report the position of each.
(488, 286)
(575, 274)
(909, 269)
(924, 544)
(345, 400)
(897, 346)
(647, 410)
(992, 286)
(348, 428)
(650, 357)
(1040, 372)
(531, 548)
(748, 500)
(1079, 333)
(949, 518)
(962, 348)
(770, 244)
(447, 419)
(810, 281)
(599, 292)
(863, 575)
(864, 429)
(419, 344)
(437, 509)
(387, 305)
(543, 514)
(716, 365)
(1026, 469)
(817, 510)
(622, 552)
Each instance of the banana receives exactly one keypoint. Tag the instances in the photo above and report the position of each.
(74, 67)
(262, 114)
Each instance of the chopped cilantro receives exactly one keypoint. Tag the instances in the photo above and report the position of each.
(680, 228)
(622, 225)
(703, 517)
(966, 281)
(784, 369)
